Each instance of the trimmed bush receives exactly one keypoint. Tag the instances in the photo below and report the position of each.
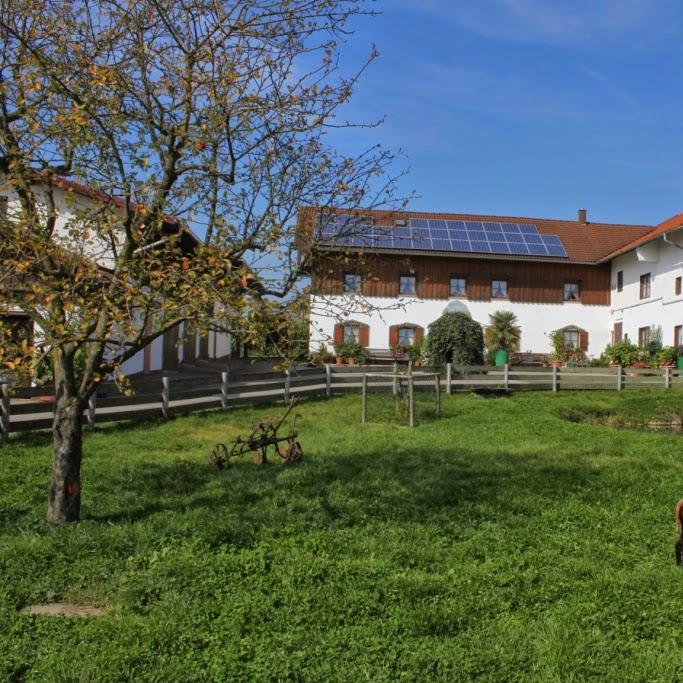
(455, 338)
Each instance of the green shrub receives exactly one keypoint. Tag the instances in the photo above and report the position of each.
(667, 355)
(622, 353)
(455, 338)
(321, 356)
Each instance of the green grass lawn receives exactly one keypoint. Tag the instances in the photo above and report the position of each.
(504, 542)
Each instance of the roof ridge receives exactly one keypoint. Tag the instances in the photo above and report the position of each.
(494, 216)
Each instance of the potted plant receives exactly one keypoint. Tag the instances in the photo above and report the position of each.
(502, 336)
(622, 353)
(414, 353)
(355, 354)
(340, 353)
(560, 352)
(667, 357)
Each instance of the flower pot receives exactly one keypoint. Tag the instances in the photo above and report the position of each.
(339, 360)
(351, 361)
(556, 363)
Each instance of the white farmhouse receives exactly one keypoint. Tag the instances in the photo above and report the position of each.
(386, 278)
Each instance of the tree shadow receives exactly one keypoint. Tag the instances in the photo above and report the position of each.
(338, 491)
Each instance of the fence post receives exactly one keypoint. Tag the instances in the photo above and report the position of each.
(449, 375)
(165, 395)
(328, 380)
(506, 376)
(224, 389)
(4, 412)
(395, 387)
(667, 378)
(620, 378)
(556, 383)
(92, 409)
(437, 383)
(288, 386)
(411, 399)
(364, 403)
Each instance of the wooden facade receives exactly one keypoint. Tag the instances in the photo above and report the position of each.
(528, 281)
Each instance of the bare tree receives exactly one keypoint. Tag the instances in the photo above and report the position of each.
(210, 114)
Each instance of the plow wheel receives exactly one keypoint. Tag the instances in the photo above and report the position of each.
(218, 456)
(294, 453)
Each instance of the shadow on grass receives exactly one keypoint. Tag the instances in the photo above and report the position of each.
(343, 490)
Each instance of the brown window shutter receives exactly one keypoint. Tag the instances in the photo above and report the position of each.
(583, 340)
(364, 335)
(338, 333)
(419, 334)
(393, 335)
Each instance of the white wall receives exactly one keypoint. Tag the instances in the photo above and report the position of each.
(537, 321)
(663, 308)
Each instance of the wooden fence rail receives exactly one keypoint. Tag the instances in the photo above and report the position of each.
(27, 409)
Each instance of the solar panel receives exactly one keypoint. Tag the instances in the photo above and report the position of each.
(521, 239)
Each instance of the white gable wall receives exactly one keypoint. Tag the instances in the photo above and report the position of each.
(663, 308)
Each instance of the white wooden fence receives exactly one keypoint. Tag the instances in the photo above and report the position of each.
(26, 409)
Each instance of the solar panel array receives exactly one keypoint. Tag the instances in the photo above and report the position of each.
(421, 234)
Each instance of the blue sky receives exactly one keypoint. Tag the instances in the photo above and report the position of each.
(529, 107)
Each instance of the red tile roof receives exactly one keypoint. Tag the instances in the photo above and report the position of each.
(585, 242)
(670, 224)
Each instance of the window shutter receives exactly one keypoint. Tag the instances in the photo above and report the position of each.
(419, 334)
(364, 335)
(393, 335)
(583, 340)
(338, 333)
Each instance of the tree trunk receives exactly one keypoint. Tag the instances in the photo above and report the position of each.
(65, 489)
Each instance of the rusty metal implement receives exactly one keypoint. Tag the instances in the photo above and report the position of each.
(263, 435)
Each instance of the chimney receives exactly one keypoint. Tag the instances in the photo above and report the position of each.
(583, 216)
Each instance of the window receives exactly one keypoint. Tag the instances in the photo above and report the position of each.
(677, 286)
(406, 284)
(678, 336)
(620, 281)
(645, 282)
(571, 338)
(499, 289)
(572, 291)
(352, 332)
(643, 337)
(406, 336)
(352, 282)
(458, 286)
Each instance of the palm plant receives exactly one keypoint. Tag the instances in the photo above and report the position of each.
(503, 333)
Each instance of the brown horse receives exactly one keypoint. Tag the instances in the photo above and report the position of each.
(679, 527)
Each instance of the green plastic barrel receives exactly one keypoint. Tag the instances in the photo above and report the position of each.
(680, 362)
(502, 357)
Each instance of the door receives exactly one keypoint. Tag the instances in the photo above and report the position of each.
(618, 333)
